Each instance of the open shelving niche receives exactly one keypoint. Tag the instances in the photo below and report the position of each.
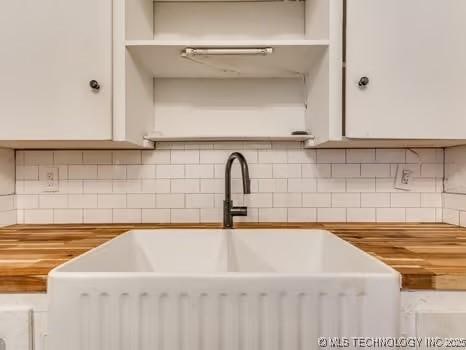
(165, 96)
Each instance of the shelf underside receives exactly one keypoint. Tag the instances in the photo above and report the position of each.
(156, 137)
(291, 58)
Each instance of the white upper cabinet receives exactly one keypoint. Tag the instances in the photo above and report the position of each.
(406, 69)
(50, 51)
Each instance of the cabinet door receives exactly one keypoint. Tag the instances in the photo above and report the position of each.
(414, 56)
(49, 52)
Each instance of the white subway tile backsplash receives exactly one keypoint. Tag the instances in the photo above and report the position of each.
(71, 186)
(302, 214)
(185, 186)
(156, 157)
(97, 157)
(111, 201)
(425, 185)
(260, 171)
(462, 219)
(385, 185)
(316, 170)
(184, 157)
(126, 157)
(47, 201)
(68, 216)
(169, 171)
(38, 157)
(213, 215)
(122, 216)
(201, 171)
(29, 187)
(304, 156)
(253, 216)
(24, 201)
(360, 155)
(9, 217)
(390, 155)
(331, 215)
(405, 200)
(213, 156)
(272, 214)
(432, 170)
(97, 216)
(375, 200)
(360, 185)
(259, 200)
(82, 172)
(287, 200)
(82, 201)
(127, 186)
(286, 171)
(184, 182)
(200, 200)
(155, 186)
(331, 156)
(185, 215)
(431, 200)
(67, 157)
(346, 200)
(420, 214)
(273, 185)
(317, 200)
(97, 186)
(140, 200)
(38, 216)
(360, 214)
(27, 172)
(212, 186)
(111, 172)
(451, 216)
(424, 155)
(346, 170)
(169, 200)
(331, 185)
(155, 215)
(391, 214)
(273, 156)
(375, 170)
(301, 185)
(7, 203)
(146, 171)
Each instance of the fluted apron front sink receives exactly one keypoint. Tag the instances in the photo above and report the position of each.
(219, 289)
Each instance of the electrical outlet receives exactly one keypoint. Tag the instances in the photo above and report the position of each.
(403, 178)
(51, 180)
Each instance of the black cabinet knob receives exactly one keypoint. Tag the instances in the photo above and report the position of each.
(94, 84)
(363, 82)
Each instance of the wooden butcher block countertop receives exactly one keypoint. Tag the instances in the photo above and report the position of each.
(429, 256)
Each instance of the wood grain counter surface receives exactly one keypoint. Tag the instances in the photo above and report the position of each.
(428, 256)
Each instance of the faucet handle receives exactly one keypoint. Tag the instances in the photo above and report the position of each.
(239, 211)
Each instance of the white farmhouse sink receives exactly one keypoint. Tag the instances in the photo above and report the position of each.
(218, 289)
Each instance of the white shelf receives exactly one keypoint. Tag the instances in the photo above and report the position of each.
(291, 58)
(156, 137)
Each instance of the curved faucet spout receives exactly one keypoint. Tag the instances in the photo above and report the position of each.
(229, 211)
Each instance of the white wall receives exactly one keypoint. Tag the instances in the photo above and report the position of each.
(7, 187)
(454, 198)
(183, 182)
